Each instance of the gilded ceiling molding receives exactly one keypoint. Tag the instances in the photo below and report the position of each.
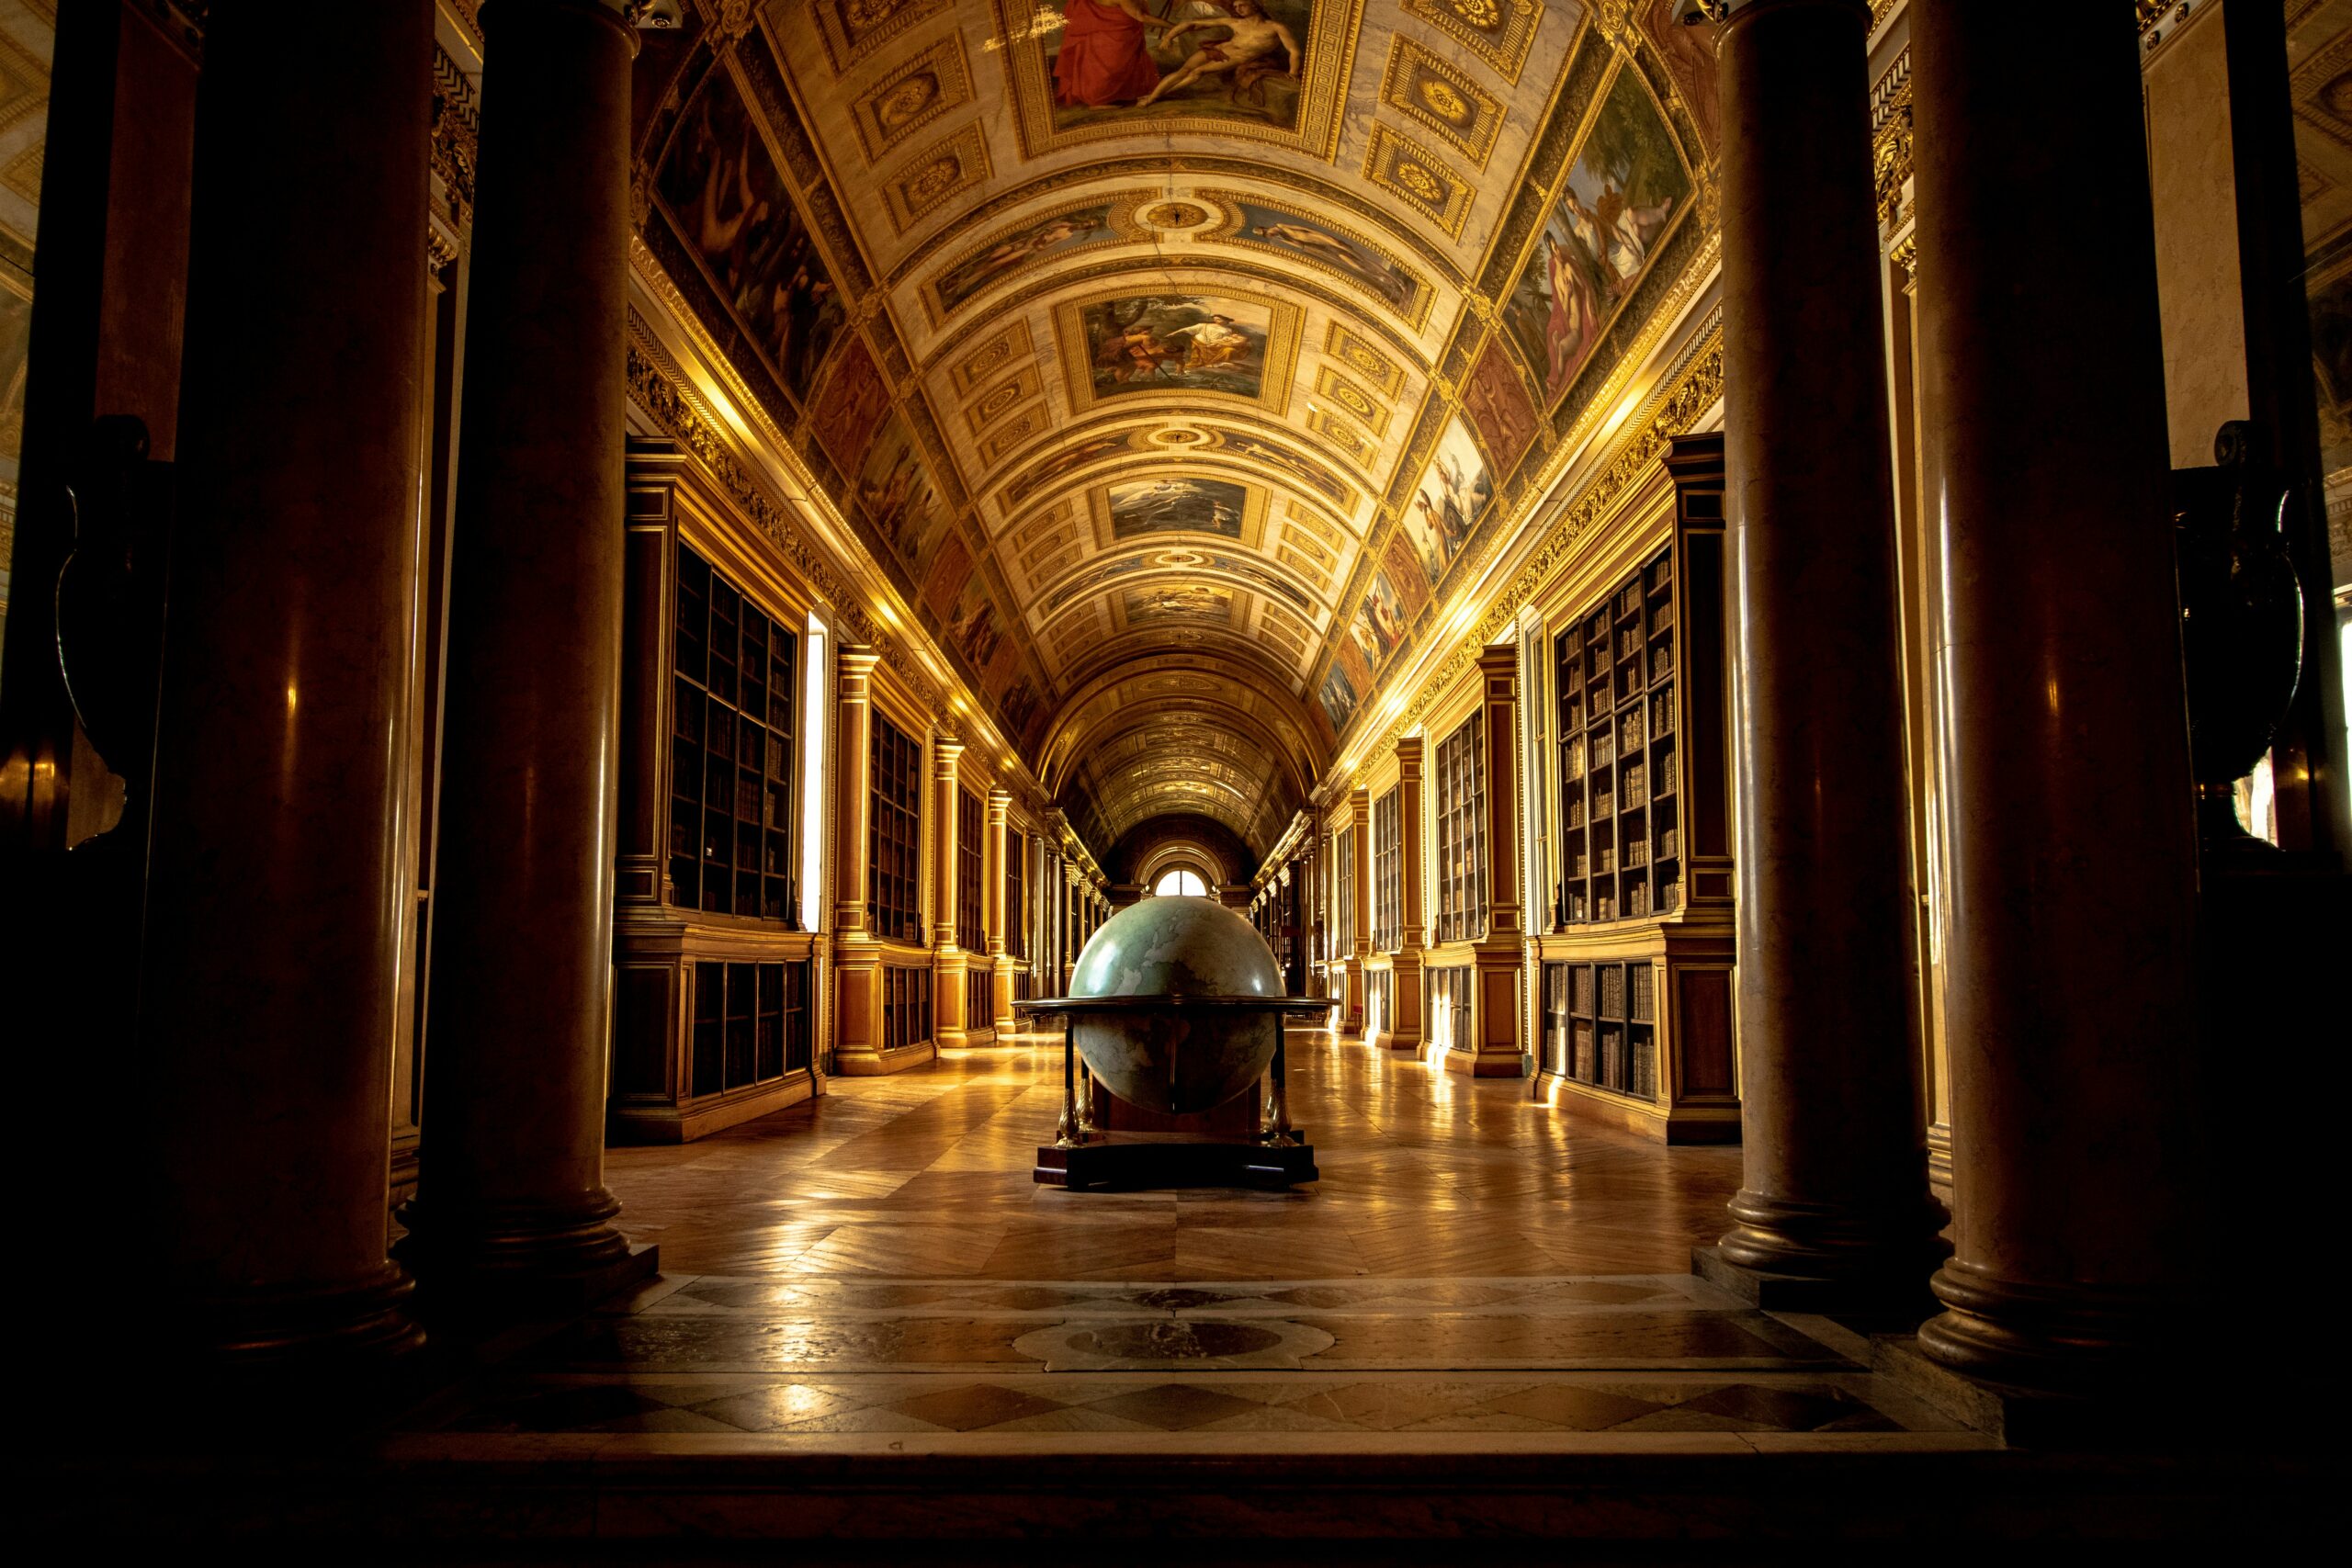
(1696, 389)
(1890, 137)
(457, 139)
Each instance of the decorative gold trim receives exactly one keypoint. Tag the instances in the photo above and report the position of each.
(1364, 359)
(1423, 87)
(951, 77)
(844, 50)
(1402, 167)
(1498, 32)
(932, 177)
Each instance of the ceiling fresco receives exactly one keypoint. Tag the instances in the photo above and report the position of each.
(1177, 359)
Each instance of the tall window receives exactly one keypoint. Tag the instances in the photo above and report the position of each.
(894, 835)
(1387, 863)
(1180, 883)
(731, 756)
(970, 822)
(1461, 835)
(1344, 859)
(1016, 893)
(816, 890)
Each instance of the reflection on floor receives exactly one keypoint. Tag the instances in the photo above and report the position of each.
(1471, 1265)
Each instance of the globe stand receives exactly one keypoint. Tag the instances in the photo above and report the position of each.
(1234, 1143)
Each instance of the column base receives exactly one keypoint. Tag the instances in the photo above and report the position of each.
(1887, 1296)
(855, 1064)
(1486, 1063)
(2073, 1341)
(2152, 1414)
(368, 1321)
(521, 1260)
(1392, 1040)
(1865, 1258)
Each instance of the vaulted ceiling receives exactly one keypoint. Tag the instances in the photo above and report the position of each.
(1172, 355)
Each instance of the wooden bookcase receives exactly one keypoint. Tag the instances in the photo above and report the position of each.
(1460, 778)
(894, 836)
(719, 999)
(1634, 995)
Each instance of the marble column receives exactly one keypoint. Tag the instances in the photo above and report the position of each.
(997, 903)
(1834, 1199)
(948, 958)
(856, 958)
(1498, 956)
(1355, 942)
(277, 892)
(1404, 1033)
(2070, 859)
(511, 1194)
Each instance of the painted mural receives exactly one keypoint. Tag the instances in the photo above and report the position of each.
(729, 205)
(973, 628)
(899, 501)
(1163, 342)
(1621, 198)
(1312, 474)
(1178, 602)
(1339, 698)
(1378, 629)
(1167, 505)
(1113, 62)
(1034, 243)
(1449, 503)
(1068, 461)
(1300, 235)
(852, 405)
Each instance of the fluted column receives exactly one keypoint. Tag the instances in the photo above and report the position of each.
(947, 957)
(1834, 1197)
(277, 885)
(2070, 861)
(856, 958)
(1498, 955)
(1002, 847)
(1405, 1030)
(510, 1192)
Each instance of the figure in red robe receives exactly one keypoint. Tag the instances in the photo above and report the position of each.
(1102, 58)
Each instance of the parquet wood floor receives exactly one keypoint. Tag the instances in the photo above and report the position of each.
(926, 1175)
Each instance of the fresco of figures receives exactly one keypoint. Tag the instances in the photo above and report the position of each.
(897, 500)
(1338, 698)
(1176, 343)
(1379, 627)
(1024, 246)
(1452, 501)
(1317, 241)
(729, 205)
(1622, 196)
(1171, 505)
(1113, 61)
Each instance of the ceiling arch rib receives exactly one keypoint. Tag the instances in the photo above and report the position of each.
(1213, 331)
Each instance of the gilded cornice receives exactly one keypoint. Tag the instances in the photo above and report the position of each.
(1890, 137)
(1696, 389)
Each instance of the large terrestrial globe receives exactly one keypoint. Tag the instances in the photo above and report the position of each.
(1156, 1051)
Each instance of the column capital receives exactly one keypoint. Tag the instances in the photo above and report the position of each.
(946, 753)
(1499, 660)
(856, 661)
(999, 805)
(1409, 757)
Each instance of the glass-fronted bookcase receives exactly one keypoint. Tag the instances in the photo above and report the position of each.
(717, 994)
(1632, 996)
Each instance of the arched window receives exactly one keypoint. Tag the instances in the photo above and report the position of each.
(1187, 884)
